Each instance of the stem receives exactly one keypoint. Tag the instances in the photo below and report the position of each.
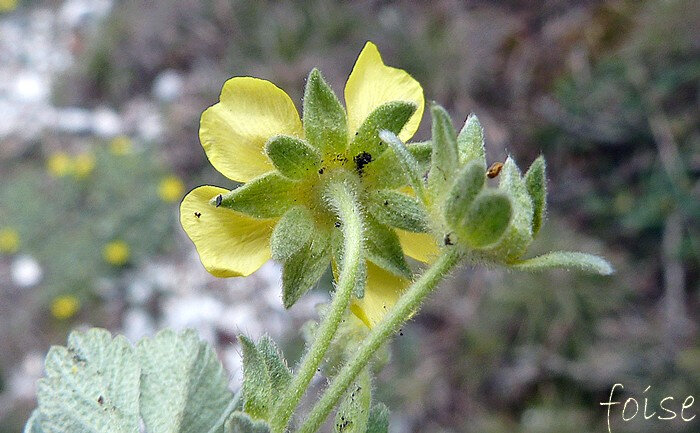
(343, 200)
(408, 304)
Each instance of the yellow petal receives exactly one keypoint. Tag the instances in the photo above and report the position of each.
(234, 131)
(229, 243)
(420, 246)
(372, 84)
(381, 293)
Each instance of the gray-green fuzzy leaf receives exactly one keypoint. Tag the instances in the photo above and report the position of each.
(445, 156)
(183, 385)
(353, 412)
(470, 142)
(408, 163)
(279, 372)
(387, 172)
(291, 233)
(486, 220)
(240, 422)
(383, 248)
(518, 235)
(378, 419)
(325, 122)
(398, 210)
(33, 424)
(391, 116)
(304, 268)
(267, 196)
(536, 183)
(91, 386)
(257, 385)
(293, 157)
(467, 185)
(567, 260)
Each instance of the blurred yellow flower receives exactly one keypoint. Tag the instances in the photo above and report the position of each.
(116, 253)
(9, 239)
(8, 5)
(171, 188)
(59, 164)
(120, 145)
(83, 164)
(64, 307)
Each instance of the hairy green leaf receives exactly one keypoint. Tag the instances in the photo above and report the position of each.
(470, 142)
(183, 385)
(383, 248)
(536, 184)
(90, 386)
(325, 122)
(33, 424)
(387, 172)
(398, 210)
(486, 220)
(378, 419)
(409, 165)
(445, 157)
(267, 196)
(257, 385)
(292, 232)
(304, 268)
(391, 116)
(293, 157)
(280, 374)
(240, 422)
(353, 411)
(469, 182)
(567, 260)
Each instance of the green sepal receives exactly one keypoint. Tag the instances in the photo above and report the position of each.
(486, 219)
(536, 183)
(304, 268)
(293, 157)
(518, 235)
(408, 163)
(267, 196)
(445, 158)
(280, 374)
(240, 422)
(567, 260)
(383, 248)
(469, 182)
(391, 116)
(325, 122)
(353, 412)
(398, 210)
(387, 172)
(470, 142)
(257, 385)
(291, 233)
(337, 247)
(378, 419)
(33, 424)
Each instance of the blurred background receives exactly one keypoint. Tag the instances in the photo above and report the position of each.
(99, 110)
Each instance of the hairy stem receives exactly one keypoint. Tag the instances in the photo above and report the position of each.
(343, 200)
(409, 303)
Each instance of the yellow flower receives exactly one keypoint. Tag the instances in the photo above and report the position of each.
(8, 5)
(120, 145)
(83, 164)
(116, 253)
(64, 307)
(234, 134)
(171, 188)
(9, 240)
(59, 164)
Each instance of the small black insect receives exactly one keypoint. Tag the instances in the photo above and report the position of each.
(198, 214)
(448, 240)
(337, 224)
(386, 202)
(100, 400)
(361, 160)
(320, 171)
(219, 198)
